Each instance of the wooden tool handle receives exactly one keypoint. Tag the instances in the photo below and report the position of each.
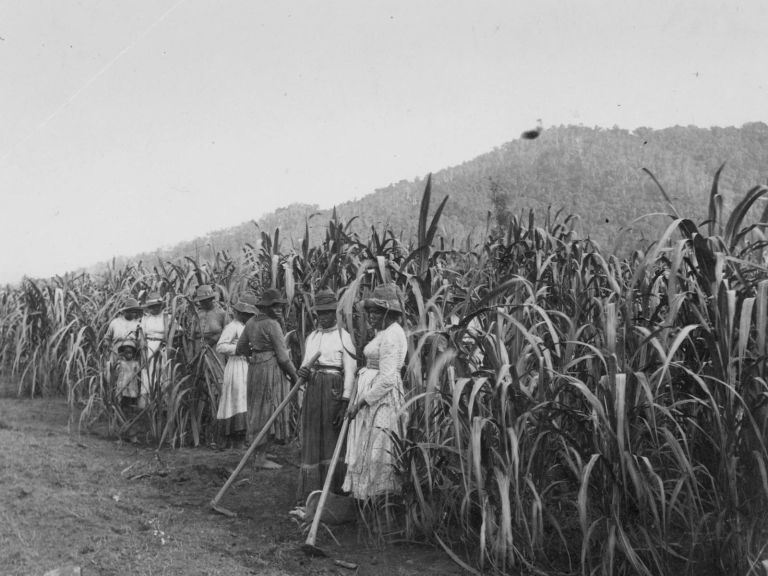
(312, 536)
(262, 433)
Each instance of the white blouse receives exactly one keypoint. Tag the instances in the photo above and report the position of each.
(229, 337)
(120, 329)
(154, 326)
(334, 345)
(386, 354)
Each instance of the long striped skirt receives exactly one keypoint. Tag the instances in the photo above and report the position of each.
(267, 387)
(321, 400)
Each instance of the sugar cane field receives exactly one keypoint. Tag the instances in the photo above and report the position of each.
(568, 411)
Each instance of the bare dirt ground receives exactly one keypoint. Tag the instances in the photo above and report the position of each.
(111, 508)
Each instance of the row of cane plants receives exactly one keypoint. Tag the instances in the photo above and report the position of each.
(53, 343)
(617, 422)
(52, 331)
(570, 412)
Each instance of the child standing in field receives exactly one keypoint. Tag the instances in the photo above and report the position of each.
(128, 383)
(232, 415)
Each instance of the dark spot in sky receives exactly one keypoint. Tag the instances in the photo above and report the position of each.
(606, 220)
(531, 134)
(645, 142)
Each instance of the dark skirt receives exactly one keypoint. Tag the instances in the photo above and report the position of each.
(234, 426)
(321, 400)
(267, 388)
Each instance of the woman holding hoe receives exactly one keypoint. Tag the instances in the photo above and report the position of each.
(329, 386)
(377, 410)
(270, 370)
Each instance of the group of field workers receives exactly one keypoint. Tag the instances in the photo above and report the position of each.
(259, 373)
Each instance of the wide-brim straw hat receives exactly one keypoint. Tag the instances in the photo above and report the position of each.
(385, 296)
(130, 304)
(204, 292)
(153, 299)
(246, 304)
(270, 297)
(128, 344)
(325, 301)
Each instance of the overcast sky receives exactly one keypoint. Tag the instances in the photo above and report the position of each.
(126, 126)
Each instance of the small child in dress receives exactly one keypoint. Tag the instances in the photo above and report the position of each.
(128, 382)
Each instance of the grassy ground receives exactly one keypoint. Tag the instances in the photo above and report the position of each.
(113, 508)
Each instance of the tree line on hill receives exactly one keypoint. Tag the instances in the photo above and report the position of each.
(594, 173)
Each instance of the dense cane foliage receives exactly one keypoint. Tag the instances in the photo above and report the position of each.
(570, 412)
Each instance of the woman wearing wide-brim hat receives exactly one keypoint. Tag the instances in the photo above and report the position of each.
(212, 317)
(270, 370)
(155, 325)
(328, 384)
(232, 415)
(377, 411)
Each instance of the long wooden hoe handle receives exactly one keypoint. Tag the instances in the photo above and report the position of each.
(257, 440)
(312, 536)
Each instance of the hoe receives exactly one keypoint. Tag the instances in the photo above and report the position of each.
(215, 502)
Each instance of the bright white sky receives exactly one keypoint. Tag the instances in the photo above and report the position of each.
(129, 125)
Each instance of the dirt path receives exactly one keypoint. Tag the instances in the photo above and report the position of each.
(113, 508)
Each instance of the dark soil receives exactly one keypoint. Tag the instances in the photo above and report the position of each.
(70, 499)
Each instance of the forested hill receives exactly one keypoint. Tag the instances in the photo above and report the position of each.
(591, 172)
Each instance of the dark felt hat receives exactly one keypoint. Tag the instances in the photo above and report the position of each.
(325, 300)
(269, 297)
(153, 298)
(204, 292)
(128, 344)
(130, 304)
(246, 304)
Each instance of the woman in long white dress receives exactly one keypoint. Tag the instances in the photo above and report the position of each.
(378, 408)
(232, 415)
